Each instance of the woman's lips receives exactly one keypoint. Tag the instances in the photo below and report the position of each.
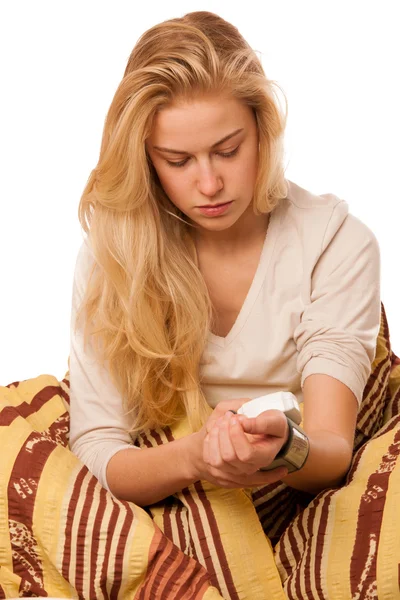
(215, 210)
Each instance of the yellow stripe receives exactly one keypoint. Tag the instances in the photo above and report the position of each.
(248, 550)
(136, 555)
(9, 582)
(389, 542)
(49, 518)
(212, 594)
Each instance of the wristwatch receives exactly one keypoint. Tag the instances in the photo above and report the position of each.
(294, 453)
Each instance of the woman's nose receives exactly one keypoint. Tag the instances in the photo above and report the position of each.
(209, 182)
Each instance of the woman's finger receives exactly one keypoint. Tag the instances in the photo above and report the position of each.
(269, 422)
(214, 455)
(256, 451)
(242, 447)
(221, 409)
(227, 450)
(219, 449)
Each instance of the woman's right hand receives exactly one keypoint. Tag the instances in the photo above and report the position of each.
(228, 474)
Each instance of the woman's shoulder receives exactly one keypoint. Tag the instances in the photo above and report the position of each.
(318, 218)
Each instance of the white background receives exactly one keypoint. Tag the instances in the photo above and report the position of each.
(61, 62)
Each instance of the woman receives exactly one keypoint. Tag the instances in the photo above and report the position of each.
(208, 279)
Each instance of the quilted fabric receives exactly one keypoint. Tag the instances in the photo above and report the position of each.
(62, 534)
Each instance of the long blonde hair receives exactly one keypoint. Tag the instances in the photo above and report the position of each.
(147, 309)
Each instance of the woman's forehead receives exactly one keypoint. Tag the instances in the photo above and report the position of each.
(200, 122)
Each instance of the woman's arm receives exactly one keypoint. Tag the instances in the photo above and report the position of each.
(329, 420)
(330, 410)
(152, 474)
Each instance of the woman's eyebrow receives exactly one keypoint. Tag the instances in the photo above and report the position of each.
(224, 139)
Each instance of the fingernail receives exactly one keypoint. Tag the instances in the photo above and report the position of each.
(234, 421)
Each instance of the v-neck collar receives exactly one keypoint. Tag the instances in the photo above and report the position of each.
(255, 287)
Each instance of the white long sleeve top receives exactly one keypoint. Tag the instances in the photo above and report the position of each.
(313, 307)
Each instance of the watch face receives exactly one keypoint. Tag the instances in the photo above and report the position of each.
(297, 452)
(294, 454)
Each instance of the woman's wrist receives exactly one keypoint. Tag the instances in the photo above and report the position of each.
(192, 456)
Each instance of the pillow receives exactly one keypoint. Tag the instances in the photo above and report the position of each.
(346, 543)
(61, 533)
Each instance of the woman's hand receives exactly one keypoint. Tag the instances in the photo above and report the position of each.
(234, 447)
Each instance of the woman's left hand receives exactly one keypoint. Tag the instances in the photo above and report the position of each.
(245, 444)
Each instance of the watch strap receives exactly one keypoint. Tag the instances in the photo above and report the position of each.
(294, 452)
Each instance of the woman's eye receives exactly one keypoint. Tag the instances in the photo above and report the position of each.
(177, 164)
(182, 163)
(228, 154)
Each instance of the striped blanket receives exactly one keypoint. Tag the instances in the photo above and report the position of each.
(63, 535)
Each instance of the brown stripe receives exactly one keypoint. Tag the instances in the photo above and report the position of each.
(320, 533)
(392, 424)
(2, 592)
(172, 565)
(22, 489)
(370, 514)
(354, 464)
(216, 539)
(29, 588)
(59, 430)
(8, 415)
(109, 537)
(13, 384)
(267, 510)
(167, 526)
(186, 580)
(201, 535)
(181, 530)
(154, 433)
(80, 569)
(292, 540)
(379, 394)
(96, 536)
(145, 441)
(168, 434)
(394, 404)
(298, 554)
(267, 490)
(196, 590)
(306, 558)
(280, 520)
(371, 422)
(122, 544)
(26, 409)
(374, 376)
(63, 393)
(159, 551)
(69, 521)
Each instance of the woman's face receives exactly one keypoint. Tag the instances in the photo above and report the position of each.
(205, 153)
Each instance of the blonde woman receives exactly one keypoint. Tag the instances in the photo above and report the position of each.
(207, 279)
